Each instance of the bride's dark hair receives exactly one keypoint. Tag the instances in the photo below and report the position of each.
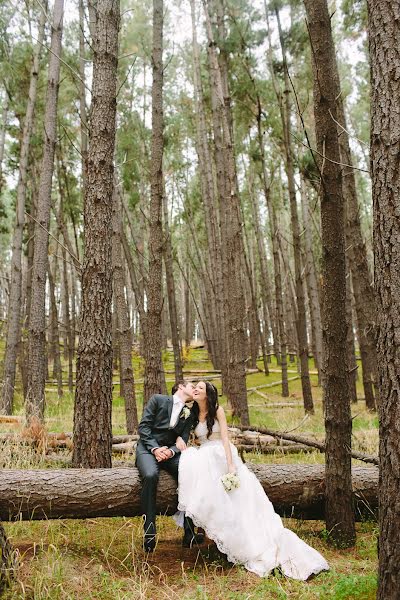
(212, 406)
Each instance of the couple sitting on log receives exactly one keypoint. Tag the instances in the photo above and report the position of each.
(216, 491)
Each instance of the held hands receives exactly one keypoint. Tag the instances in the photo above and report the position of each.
(180, 444)
(163, 453)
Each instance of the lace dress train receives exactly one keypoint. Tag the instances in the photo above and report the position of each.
(242, 522)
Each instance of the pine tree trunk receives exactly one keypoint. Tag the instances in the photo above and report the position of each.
(339, 499)
(127, 387)
(384, 47)
(14, 305)
(154, 379)
(35, 399)
(93, 395)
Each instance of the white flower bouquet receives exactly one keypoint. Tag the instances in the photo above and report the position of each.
(230, 481)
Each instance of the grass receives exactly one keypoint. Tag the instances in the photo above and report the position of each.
(102, 558)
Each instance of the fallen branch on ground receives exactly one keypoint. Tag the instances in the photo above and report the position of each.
(368, 458)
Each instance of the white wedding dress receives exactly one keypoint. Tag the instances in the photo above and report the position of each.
(242, 522)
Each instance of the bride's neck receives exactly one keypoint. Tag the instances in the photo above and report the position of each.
(202, 408)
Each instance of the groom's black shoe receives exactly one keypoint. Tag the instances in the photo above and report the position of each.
(149, 543)
(192, 539)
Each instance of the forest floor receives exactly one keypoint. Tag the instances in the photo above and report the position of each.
(102, 558)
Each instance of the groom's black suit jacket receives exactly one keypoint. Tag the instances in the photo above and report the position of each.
(154, 429)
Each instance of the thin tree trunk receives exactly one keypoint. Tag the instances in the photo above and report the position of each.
(93, 395)
(173, 313)
(312, 283)
(35, 399)
(357, 258)
(127, 386)
(67, 321)
(154, 379)
(209, 197)
(230, 219)
(4, 123)
(14, 304)
(384, 48)
(351, 346)
(82, 92)
(275, 255)
(339, 498)
(7, 561)
(57, 372)
(301, 323)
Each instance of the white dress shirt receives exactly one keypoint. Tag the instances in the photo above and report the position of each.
(176, 409)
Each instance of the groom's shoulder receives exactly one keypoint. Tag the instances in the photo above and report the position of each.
(160, 398)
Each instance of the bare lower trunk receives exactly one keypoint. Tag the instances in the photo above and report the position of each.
(93, 395)
(35, 398)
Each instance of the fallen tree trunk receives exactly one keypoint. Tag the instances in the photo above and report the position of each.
(295, 490)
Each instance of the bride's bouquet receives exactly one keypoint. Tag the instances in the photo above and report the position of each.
(230, 481)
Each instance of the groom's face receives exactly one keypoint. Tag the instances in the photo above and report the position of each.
(187, 389)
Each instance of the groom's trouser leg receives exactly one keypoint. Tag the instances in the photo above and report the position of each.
(149, 471)
(171, 466)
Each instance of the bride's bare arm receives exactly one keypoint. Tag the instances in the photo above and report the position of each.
(225, 438)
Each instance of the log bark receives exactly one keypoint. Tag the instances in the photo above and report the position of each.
(294, 490)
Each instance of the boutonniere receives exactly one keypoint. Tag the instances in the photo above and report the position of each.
(185, 412)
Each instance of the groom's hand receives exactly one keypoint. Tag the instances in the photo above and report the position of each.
(163, 453)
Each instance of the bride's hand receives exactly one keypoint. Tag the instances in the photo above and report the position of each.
(232, 469)
(180, 444)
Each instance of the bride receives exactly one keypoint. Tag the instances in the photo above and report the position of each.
(242, 522)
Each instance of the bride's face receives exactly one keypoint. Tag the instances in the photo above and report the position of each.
(199, 392)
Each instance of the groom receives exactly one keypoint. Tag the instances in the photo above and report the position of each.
(164, 419)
